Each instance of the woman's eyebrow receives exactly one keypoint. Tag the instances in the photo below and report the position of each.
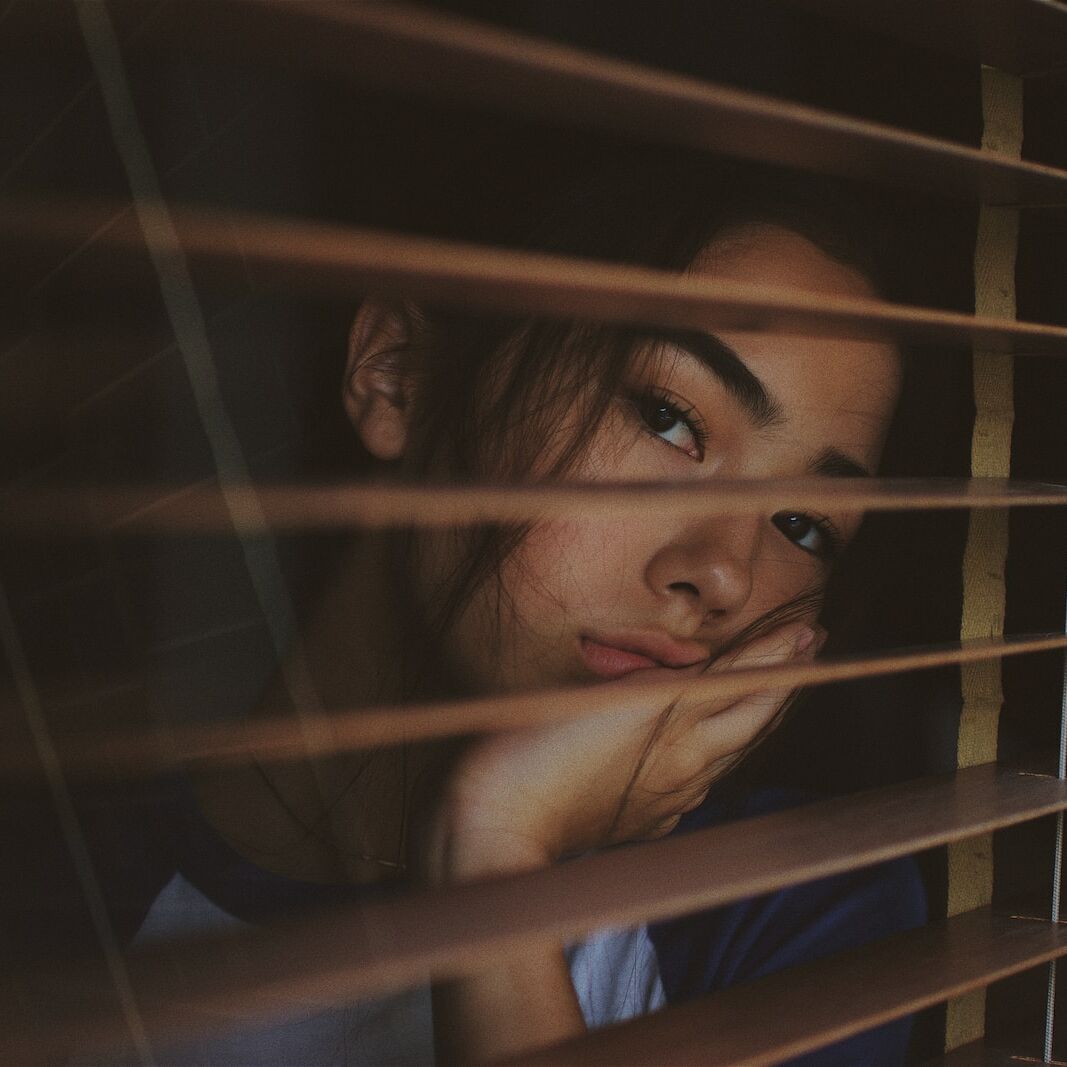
(731, 370)
(833, 463)
(750, 391)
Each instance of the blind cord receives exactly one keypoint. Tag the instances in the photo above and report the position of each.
(1057, 863)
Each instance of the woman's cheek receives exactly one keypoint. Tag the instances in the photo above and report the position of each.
(622, 451)
(573, 574)
(783, 572)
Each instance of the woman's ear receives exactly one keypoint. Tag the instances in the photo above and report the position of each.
(375, 394)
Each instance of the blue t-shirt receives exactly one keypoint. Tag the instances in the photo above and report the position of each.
(725, 946)
(616, 974)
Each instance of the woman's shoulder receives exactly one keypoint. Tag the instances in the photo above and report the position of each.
(214, 889)
(207, 864)
(800, 923)
(697, 954)
(620, 974)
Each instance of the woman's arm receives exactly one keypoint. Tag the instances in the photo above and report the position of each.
(521, 800)
(518, 1005)
(508, 1010)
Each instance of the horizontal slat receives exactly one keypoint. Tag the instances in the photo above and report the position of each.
(418, 51)
(341, 261)
(795, 1011)
(277, 738)
(208, 508)
(1020, 36)
(979, 1054)
(220, 982)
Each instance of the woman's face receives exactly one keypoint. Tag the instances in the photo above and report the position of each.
(591, 599)
(594, 599)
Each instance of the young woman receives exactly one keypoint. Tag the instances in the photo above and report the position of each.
(450, 397)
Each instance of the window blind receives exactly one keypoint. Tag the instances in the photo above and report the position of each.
(217, 983)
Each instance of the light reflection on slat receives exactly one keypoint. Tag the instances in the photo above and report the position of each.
(205, 508)
(279, 739)
(417, 51)
(979, 1054)
(822, 1002)
(228, 981)
(334, 260)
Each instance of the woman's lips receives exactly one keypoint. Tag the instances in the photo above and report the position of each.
(607, 662)
(612, 657)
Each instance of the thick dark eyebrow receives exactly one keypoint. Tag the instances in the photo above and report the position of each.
(730, 369)
(833, 463)
(752, 394)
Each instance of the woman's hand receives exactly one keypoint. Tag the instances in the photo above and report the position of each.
(521, 799)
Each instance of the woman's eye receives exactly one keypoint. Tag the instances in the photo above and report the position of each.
(672, 423)
(809, 533)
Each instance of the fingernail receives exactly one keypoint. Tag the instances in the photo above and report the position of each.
(805, 639)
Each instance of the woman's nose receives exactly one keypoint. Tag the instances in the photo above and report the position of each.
(707, 570)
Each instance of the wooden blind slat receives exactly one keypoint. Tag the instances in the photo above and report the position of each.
(207, 508)
(414, 50)
(276, 739)
(979, 1054)
(221, 982)
(331, 260)
(819, 1003)
(1026, 37)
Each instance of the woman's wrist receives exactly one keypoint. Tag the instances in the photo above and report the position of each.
(461, 848)
(467, 859)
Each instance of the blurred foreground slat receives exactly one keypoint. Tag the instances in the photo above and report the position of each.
(416, 51)
(795, 1011)
(332, 260)
(212, 508)
(276, 738)
(229, 982)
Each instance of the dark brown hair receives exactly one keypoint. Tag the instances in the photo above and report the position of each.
(490, 392)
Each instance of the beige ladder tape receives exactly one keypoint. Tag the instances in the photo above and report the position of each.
(970, 863)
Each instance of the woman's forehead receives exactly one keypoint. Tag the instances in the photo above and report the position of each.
(772, 254)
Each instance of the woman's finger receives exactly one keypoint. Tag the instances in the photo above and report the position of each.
(781, 646)
(730, 729)
(728, 732)
(778, 646)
